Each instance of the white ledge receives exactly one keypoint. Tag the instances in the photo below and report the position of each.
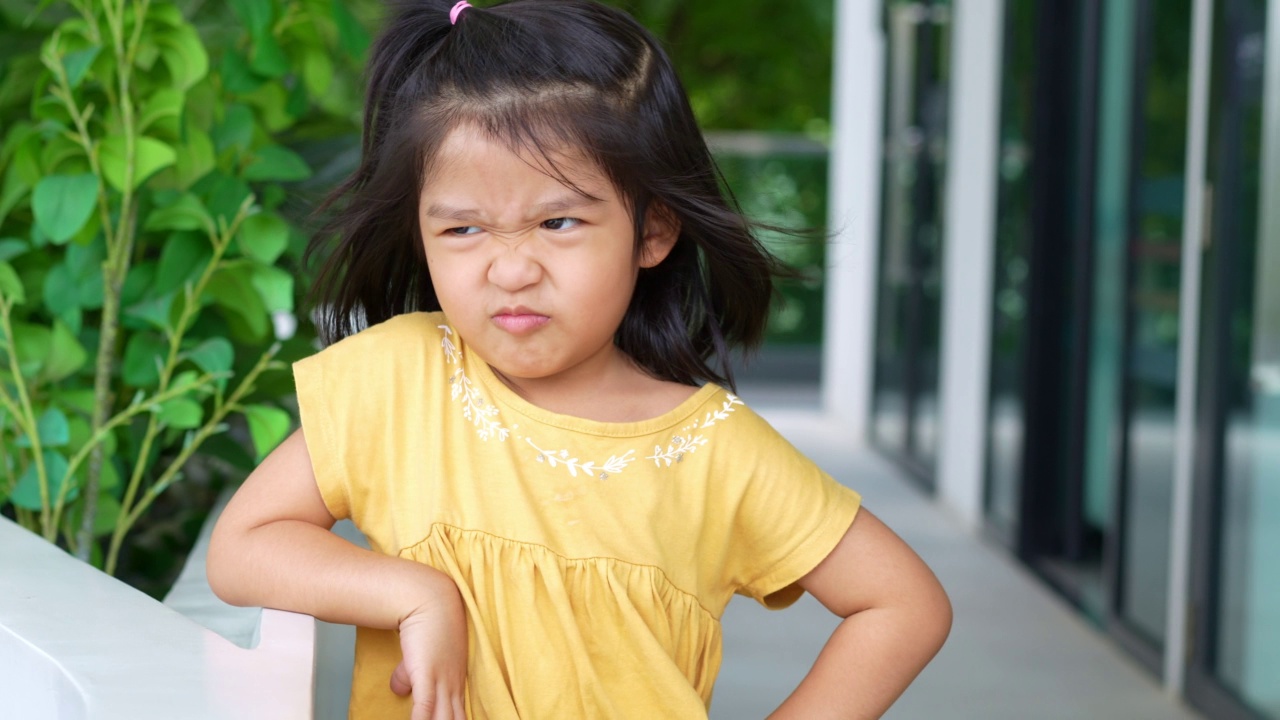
(77, 643)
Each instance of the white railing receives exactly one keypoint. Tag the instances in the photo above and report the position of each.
(76, 643)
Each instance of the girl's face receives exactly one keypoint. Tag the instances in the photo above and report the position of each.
(534, 275)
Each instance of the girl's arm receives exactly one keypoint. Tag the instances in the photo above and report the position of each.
(896, 617)
(272, 547)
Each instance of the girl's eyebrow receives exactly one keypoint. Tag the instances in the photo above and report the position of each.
(576, 201)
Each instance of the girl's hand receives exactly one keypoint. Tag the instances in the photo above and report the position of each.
(433, 641)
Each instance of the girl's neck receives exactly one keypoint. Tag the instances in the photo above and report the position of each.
(619, 392)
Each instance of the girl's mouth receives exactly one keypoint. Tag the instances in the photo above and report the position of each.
(519, 321)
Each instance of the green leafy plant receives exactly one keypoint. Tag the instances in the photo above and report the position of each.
(148, 250)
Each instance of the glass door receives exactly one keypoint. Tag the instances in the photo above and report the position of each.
(904, 413)
(1086, 305)
(1235, 670)
(1144, 475)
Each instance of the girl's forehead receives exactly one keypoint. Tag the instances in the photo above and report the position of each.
(470, 148)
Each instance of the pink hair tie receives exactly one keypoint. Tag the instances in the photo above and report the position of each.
(457, 10)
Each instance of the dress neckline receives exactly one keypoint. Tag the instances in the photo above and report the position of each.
(499, 392)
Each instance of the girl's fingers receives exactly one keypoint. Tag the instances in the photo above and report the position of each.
(443, 705)
(448, 704)
(400, 683)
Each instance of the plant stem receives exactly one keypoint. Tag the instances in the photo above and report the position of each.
(119, 419)
(212, 425)
(116, 269)
(190, 308)
(26, 417)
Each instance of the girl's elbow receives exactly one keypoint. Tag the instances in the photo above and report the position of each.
(221, 569)
(936, 617)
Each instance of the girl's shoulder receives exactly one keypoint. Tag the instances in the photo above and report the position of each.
(403, 346)
(401, 331)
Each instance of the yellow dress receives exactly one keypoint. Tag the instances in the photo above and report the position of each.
(595, 559)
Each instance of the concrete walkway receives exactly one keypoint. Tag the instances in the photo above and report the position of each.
(1016, 650)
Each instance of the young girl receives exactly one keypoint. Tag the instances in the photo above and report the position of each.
(533, 431)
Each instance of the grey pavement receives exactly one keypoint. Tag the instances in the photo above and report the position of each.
(1016, 650)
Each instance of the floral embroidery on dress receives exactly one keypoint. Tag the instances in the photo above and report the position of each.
(483, 415)
(615, 464)
(475, 408)
(686, 442)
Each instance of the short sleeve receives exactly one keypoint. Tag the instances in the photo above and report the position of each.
(315, 407)
(789, 516)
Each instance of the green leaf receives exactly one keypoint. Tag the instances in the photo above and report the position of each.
(61, 290)
(263, 237)
(233, 291)
(52, 428)
(66, 354)
(188, 378)
(195, 157)
(183, 257)
(27, 494)
(107, 512)
(272, 102)
(77, 64)
(267, 426)
(298, 104)
(85, 262)
(275, 286)
(142, 356)
(277, 163)
(10, 285)
(12, 190)
(156, 311)
(187, 213)
(213, 355)
(150, 157)
(185, 55)
(80, 399)
(110, 475)
(224, 195)
(137, 285)
(235, 130)
(11, 248)
(268, 58)
(164, 103)
(62, 204)
(32, 343)
(317, 72)
(181, 413)
(237, 77)
(226, 449)
(353, 38)
(168, 14)
(255, 14)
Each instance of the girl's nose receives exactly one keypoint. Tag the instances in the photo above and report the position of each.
(512, 269)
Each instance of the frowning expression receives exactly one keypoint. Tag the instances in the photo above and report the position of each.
(534, 272)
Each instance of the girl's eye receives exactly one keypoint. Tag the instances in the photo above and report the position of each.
(561, 223)
(465, 230)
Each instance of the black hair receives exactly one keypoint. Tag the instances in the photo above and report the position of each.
(542, 75)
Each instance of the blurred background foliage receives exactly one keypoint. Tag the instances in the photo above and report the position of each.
(244, 114)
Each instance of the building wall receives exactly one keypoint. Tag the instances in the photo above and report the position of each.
(1125, 445)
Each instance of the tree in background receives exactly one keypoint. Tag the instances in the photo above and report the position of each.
(749, 65)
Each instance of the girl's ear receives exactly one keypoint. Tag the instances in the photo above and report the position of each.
(661, 230)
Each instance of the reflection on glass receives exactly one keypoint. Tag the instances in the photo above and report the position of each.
(909, 294)
(1248, 641)
(1155, 253)
(1106, 326)
(1006, 424)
